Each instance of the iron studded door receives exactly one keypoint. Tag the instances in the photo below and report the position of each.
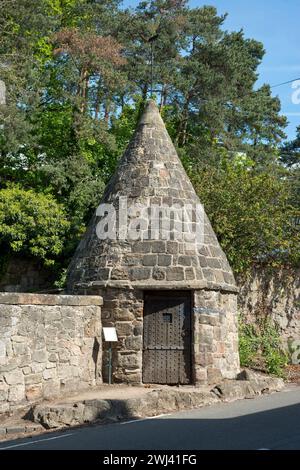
(167, 338)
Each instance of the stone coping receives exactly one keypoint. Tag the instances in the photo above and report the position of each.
(176, 285)
(16, 298)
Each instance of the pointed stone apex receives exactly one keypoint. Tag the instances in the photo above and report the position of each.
(151, 115)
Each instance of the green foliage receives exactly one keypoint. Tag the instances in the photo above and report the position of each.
(31, 223)
(260, 347)
(60, 283)
(124, 125)
(248, 344)
(250, 210)
(290, 151)
(290, 157)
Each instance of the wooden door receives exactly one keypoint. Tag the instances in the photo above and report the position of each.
(167, 338)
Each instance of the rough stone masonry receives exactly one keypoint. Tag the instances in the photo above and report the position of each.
(50, 345)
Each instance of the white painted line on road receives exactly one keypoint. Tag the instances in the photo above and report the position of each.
(71, 434)
(143, 419)
(37, 441)
(160, 416)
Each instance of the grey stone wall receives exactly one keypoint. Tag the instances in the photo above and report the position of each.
(21, 274)
(274, 294)
(123, 309)
(50, 345)
(215, 336)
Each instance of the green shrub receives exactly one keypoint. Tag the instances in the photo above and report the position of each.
(248, 344)
(60, 283)
(31, 223)
(260, 347)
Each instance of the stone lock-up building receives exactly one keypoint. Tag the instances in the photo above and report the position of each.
(167, 286)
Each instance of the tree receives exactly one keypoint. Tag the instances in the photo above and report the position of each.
(251, 212)
(216, 95)
(290, 157)
(290, 151)
(23, 25)
(95, 59)
(56, 115)
(156, 26)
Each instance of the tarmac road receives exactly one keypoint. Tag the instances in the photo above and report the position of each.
(267, 422)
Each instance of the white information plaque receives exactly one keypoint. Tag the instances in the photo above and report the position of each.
(110, 334)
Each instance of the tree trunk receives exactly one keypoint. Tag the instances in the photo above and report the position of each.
(97, 103)
(144, 92)
(182, 128)
(163, 97)
(107, 110)
(83, 90)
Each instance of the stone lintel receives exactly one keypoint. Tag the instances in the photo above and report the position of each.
(15, 298)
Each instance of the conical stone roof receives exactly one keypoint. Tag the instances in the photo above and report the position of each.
(150, 174)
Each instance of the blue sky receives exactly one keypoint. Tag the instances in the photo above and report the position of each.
(276, 24)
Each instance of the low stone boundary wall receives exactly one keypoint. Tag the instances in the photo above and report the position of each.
(274, 294)
(50, 345)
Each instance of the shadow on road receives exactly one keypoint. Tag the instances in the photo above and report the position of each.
(195, 430)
